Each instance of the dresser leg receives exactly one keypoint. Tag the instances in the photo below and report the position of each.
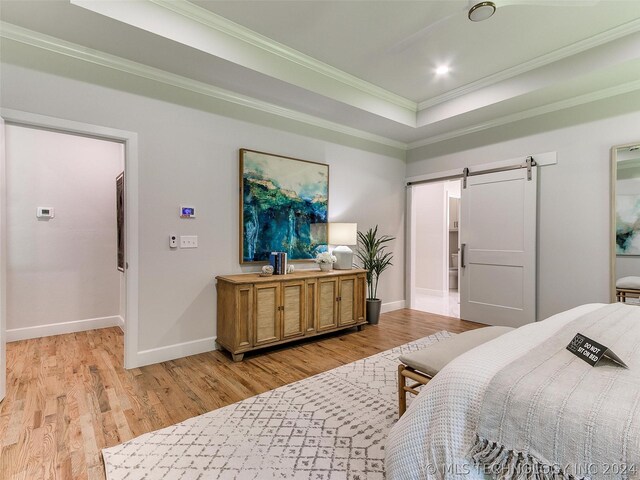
(237, 357)
(360, 327)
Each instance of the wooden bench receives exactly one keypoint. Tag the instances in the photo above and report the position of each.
(422, 365)
(627, 287)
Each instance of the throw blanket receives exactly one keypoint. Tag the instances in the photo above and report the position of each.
(550, 415)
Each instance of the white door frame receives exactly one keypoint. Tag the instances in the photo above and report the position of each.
(445, 243)
(3, 264)
(542, 159)
(409, 248)
(130, 141)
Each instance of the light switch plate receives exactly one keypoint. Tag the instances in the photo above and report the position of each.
(188, 241)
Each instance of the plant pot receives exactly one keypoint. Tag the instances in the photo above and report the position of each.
(373, 310)
(326, 267)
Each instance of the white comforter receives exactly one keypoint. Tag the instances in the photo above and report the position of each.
(432, 438)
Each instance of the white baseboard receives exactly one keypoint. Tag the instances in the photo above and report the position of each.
(15, 334)
(391, 306)
(178, 350)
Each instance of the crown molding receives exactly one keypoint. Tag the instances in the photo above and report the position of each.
(532, 112)
(46, 42)
(56, 45)
(559, 54)
(212, 20)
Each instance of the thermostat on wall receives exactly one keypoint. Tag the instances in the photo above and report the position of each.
(187, 212)
(45, 212)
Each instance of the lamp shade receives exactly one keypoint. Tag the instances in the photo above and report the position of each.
(343, 233)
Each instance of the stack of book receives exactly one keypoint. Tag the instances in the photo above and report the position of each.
(278, 260)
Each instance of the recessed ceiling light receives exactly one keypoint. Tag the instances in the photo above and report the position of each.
(441, 70)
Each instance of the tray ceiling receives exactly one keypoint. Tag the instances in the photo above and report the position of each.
(365, 66)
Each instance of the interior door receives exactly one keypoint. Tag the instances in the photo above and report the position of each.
(498, 248)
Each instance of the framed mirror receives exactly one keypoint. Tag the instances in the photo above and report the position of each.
(625, 223)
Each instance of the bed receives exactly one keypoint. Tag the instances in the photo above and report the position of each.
(434, 438)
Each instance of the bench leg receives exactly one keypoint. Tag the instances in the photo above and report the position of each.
(402, 394)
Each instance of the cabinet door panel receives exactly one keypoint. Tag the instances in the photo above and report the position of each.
(327, 311)
(347, 303)
(294, 308)
(267, 316)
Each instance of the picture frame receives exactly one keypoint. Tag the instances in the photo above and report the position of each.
(284, 206)
(627, 225)
(120, 221)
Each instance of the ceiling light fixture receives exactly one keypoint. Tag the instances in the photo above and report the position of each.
(441, 70)
(481, 11)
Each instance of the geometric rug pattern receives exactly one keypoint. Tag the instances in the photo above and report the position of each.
(331, 426)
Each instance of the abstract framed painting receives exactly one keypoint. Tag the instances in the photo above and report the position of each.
(284, 206)
(627, 224)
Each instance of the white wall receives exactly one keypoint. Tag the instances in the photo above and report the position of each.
(62, 270)
(189, 155)
(430, 224)
(574, 200)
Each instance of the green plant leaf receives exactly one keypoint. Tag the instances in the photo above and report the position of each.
(372, 254)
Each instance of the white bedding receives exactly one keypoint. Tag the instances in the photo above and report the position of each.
(433, 437)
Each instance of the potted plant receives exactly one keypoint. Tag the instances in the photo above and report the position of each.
(375, 259)
(326, 261)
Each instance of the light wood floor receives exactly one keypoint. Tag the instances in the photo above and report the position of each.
(68, 396)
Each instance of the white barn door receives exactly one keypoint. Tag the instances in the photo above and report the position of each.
(498, 248)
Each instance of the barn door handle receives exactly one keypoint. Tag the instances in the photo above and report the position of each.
(462, 247)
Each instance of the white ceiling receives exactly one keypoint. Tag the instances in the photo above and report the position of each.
(361, 66)
(359, 37)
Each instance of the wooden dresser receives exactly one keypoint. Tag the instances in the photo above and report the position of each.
(255, 311)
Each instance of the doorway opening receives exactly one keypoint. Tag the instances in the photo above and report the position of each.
(65, 266)
(435, 237)
(129, 142)
(497, 231)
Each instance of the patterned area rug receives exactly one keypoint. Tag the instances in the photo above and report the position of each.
(333, 425)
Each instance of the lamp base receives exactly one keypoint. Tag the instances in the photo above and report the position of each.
(344, 256)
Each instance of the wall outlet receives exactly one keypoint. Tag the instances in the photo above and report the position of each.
(173, 241)
(188, 241)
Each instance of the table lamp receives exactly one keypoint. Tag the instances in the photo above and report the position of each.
(342, 235)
